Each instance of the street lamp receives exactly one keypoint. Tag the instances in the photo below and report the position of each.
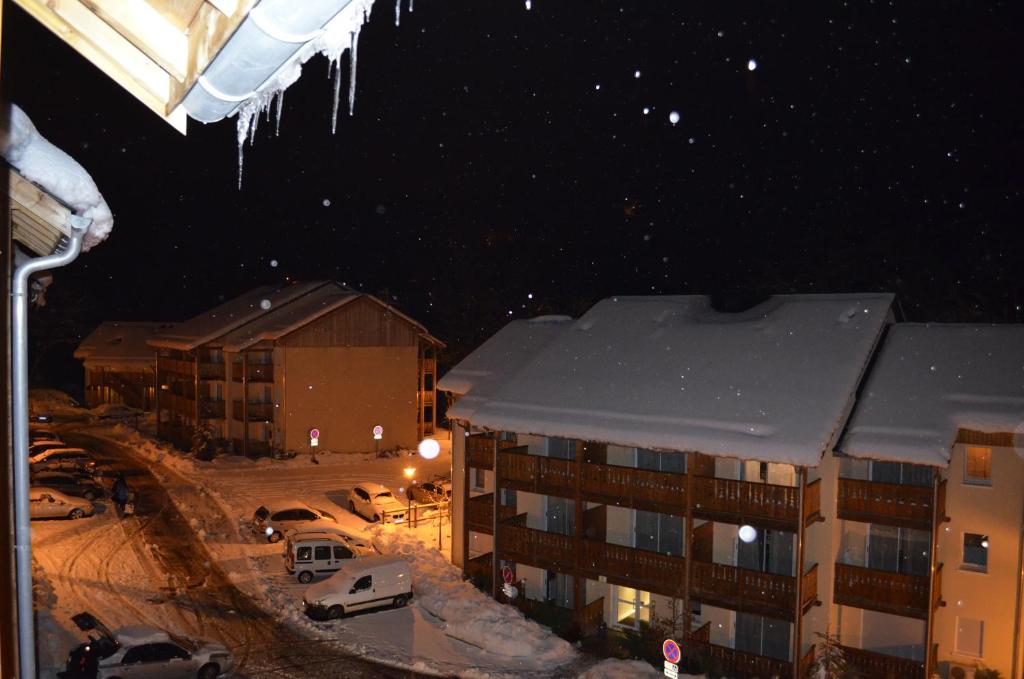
(408, 471)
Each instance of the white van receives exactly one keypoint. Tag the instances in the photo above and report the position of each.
(369, 582)
(308, 555)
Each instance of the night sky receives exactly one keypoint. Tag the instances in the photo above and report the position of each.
(500, 164)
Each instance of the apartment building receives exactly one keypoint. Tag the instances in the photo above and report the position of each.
(264, 369)
(119, 365)
(656, 459)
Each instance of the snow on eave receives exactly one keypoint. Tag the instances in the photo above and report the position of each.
(60, 175)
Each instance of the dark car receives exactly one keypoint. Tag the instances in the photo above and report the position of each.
(430, 492)
(77, 484)
(35, 435)
(37, 447)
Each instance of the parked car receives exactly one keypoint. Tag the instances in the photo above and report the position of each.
(62, 459)
(329, 526)
(274, 519)
(38, 435)
(47, 503)
(36, 447)
(308, 555)
(144, 652)
(430, 491)
(373, 502)
(370, 582)
(116, 411)
(76, 484)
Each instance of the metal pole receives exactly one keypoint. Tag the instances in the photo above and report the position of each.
(19, 421)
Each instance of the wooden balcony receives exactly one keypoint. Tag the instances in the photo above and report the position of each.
(884, 591)
(552, 551)
(872, 665)
(480, 450)
(740, 502)
(740, 589)
(256, 372)
(254, 412)
(211, 409)
(737, 664)
(891, 504)
(211, 371)
(478, 569)
(177, 366)
(651, 491)
(649, 571)
(480, 513)
(519, 470)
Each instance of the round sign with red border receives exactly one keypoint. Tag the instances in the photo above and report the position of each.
(378, 430)
(507, 575)
(671, 651)
(314, 433)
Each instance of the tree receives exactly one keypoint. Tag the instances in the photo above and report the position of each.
(830, 662)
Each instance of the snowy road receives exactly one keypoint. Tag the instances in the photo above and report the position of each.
(112, 567)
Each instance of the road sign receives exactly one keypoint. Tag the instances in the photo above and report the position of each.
(671, 670)
(314, 433)
(314, 442)
(507, 575)
(378, 432)
(670, 649)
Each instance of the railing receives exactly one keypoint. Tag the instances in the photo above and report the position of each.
(480, 513)
(478, 569)
(883, 591)
(732, 663)
(177, 366)
(211, 409)
(536, 474)
(806, 663)
(211, 371)
(937, 588)
(809, 587)
(414, 513)
(703, 634)
(812, 501)
(255, 372)
(632, 487)
(732, 501)
(940, 504)
(872, 665)
(539, 548)
(179, 404)
(892, 504)
(651, 571)
(255, 412)
(743, 590)
(480, 450)
(591, 616)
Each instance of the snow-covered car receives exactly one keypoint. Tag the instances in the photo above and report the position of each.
(374, 502)
(430, 492)
(308, 555)
(115, 411)
(76, 484)
(62, 459)
(273, 519)
(47, 503)
(38, 435)
(37, 447)
(332, 527)
(143, 652)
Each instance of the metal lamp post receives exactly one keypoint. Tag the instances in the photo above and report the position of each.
(408, 471)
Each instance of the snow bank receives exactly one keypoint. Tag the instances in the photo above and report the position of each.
(469, 614)
(57, 172)
(626, 669)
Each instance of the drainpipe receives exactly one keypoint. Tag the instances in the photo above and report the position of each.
(19, 421)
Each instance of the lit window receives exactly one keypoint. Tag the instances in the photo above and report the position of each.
(632, 607)
(978, 466)
(975, 552)
(969, 635)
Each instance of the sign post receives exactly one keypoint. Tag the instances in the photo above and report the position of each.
(670, 649)
(314, 441)
(507, 575)
(378, 434)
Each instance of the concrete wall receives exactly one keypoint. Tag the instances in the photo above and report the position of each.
(821, 546)
(995, 511)
(345, 392)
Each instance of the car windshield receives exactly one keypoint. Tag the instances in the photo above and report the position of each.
(327, 514)
(184, 642)
(384, 494)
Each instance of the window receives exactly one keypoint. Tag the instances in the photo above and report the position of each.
(322, 553)
(563, 449)
(899, 550)
(969, 636)
(305, 515)
(363, 583)
(975, 553)
(304, 554)
(342, 552)
(428, 382)
(659, 533)
(165, 652)
(978, 466)
(138, 654)
(632, 606)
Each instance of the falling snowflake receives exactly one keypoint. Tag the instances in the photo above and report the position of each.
(326, 202)
(265, 304)
(752, 65)
(273, 263)
(673, 117)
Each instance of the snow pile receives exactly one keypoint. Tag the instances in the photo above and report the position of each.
(57, 172)
(932, 379)
(154, 451)
(469, 614)
(626, 669)
(53, 402)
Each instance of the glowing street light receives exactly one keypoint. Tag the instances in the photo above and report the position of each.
(429, 449)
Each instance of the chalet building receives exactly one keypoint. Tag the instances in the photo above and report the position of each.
(119, 365)
(265, 368)
(611, 462)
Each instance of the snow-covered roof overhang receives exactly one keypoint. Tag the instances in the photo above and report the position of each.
(772, 383)
(39, 221)
(209, 58)
(120, 342)
(932, 380)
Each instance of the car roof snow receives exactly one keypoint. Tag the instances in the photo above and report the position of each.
(373, 488)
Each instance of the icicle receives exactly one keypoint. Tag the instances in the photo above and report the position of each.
(410, 6)
(398, 12)
(337, 95)
(353, 51)
(280, 108)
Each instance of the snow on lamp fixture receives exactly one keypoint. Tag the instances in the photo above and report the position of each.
(747, 533)
(429, 449)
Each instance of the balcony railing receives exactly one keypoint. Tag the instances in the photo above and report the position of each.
(211, 371)
(254, 412)
(737, 502)
(211, 409)
(177, 366)
(650, 571)
(480, 513)
(478, 569)
(252, 447)
(655, 491)
(552, 551)
(732, 663)
(873, 665)
(883, 591)
(809, 588)
(892, 504)
(480, 450)
(256, 372)
(536, 474)
(743, 590)
(937, 588)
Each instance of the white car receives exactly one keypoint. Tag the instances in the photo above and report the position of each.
(47, 503)
(62, 458)
(273, 519)
(332, 527)
(374, 502)
(144, 652)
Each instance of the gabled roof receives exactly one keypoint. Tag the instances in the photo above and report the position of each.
(929, 381)
(268, 313)
(772, 383)
(120, 341)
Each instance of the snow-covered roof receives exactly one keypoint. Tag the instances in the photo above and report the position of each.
(281, 320)
(772, 383)
(58, 173)
(481, 373)
(930, 380)
(120, 342)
